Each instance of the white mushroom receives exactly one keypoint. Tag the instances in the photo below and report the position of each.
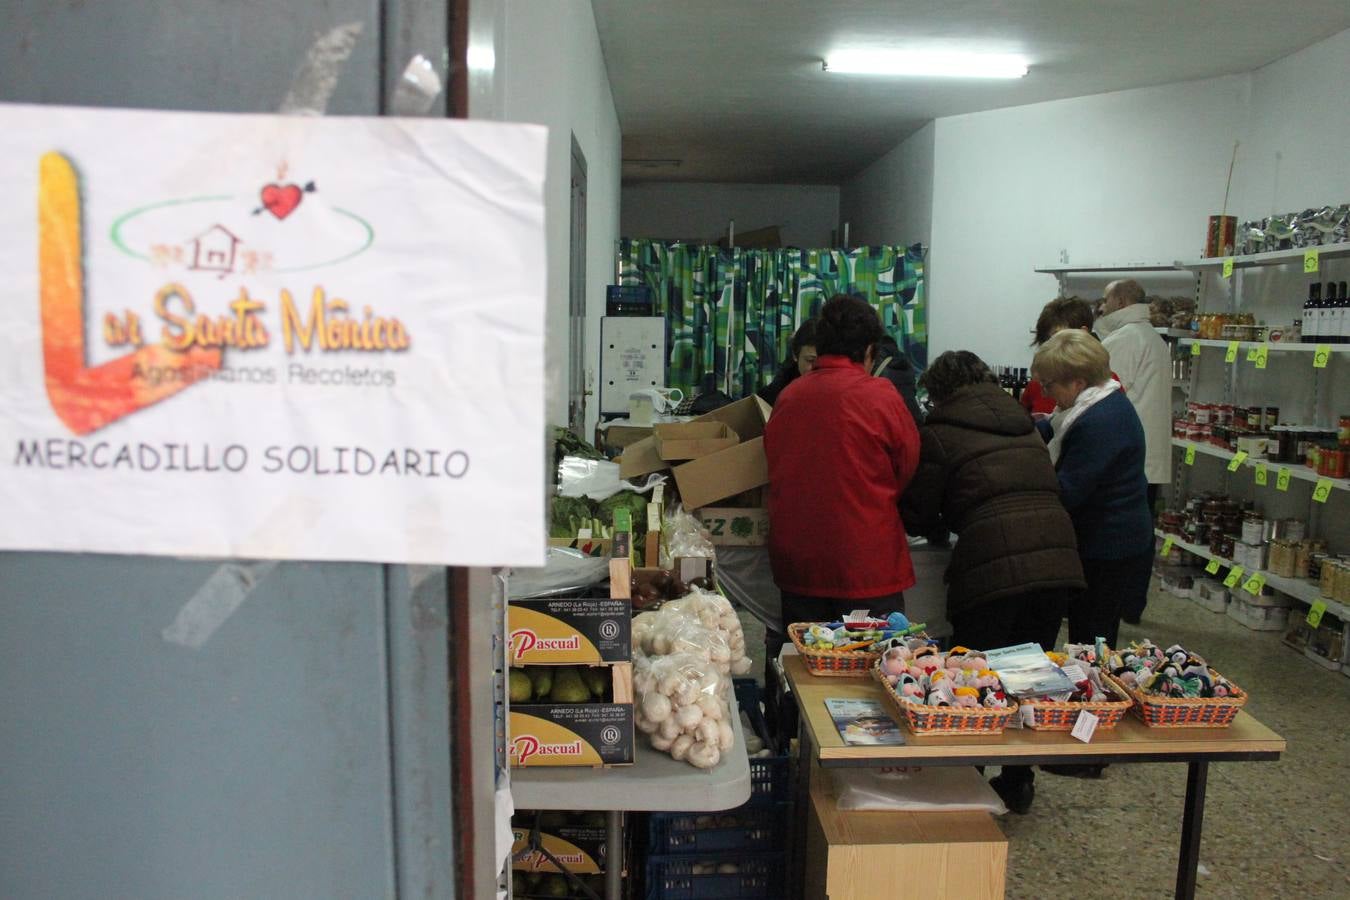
(711, 706)
(669, 730)
(661, 743)
(707, 732)
(688, 717)
(681, 746)
(726, 736)
(646, 725)
(742, 666)
(703, 755)
(656, 706)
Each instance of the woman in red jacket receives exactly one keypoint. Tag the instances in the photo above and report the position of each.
(841, 449)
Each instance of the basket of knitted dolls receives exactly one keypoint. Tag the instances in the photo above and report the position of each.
(945, 719)
(1184, 712)
(1061, 715)
(831, 663)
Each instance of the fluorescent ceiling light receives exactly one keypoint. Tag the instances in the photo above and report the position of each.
(921, 63)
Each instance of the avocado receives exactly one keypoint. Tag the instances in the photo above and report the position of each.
(568, 687)
(542, 679)
(596, 680)
(521, 690)
(554, 886)
(519, 884)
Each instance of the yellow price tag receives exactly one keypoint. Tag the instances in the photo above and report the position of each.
(1238, 459)
(1195, 349)
(1254, 584)
(1260, 355)
(1321, 356)
(1262, 474)
(1213, 567)
(1231, 355)
(1310, 262)
(1228, 267)
(1282, 479)
(1190, 455)
(1319, 607)
(1234, 576)
(1166, 547)
(1323, 490)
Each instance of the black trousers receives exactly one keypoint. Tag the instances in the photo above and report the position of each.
(802, 608)
(1115, 587)
(1025, 618)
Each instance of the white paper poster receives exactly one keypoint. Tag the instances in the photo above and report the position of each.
(271, 337)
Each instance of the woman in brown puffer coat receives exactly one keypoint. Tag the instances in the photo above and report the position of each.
(984, 474)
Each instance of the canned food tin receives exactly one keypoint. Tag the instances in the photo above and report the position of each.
(1272, 417)
(1252, 527)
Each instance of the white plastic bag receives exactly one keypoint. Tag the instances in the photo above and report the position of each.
(597, 479)
(681, 706)
(917, 789)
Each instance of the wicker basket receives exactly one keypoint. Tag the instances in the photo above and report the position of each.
(831, 663)
(1184, 712)
(1061, 716)
(945, 719)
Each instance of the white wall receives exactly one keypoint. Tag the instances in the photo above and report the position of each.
(1123, 176)
(1297, 140)
(550, 71)
(806, 214)
(891, 201)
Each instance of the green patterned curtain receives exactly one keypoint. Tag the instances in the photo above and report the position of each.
(730, 314)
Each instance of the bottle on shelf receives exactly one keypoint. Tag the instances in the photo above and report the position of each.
(1342, 316)
(1311, 313)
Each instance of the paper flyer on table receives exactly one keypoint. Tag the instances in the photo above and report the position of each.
(863, 722)
(1026, 671)
(272, 337)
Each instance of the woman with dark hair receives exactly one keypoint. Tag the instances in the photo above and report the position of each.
(1056, 316)
(841, 448)
(802, 356)
(984, 474)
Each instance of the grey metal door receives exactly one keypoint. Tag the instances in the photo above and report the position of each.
(177, 729)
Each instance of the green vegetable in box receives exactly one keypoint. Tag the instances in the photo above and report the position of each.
(632, 501)
(568, 515)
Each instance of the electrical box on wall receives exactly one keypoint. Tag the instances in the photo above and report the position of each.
(632, 358)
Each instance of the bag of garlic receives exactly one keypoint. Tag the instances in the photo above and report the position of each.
(682, 708)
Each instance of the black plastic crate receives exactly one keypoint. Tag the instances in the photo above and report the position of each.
(757, 876)
(747, 829)
(768, 774)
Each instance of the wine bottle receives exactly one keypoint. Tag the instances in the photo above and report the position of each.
(1343, 316)
(1310, 313)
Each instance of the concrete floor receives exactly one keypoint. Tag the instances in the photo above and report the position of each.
(1271, 829)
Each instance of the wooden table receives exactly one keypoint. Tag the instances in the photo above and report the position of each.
(1129, 742)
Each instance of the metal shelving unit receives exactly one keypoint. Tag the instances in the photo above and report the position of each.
(1257, 260)
(1302, 473)
(1271, 348)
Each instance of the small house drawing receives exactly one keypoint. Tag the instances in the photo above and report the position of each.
(214, 250)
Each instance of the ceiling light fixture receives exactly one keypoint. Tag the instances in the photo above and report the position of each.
(936, 65)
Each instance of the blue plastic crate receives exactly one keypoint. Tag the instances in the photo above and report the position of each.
(758, 876)
(747, 829)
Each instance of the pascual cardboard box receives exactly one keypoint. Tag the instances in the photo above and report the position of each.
(704, 481)
(569, 631)
(575, 734)
(580, 848)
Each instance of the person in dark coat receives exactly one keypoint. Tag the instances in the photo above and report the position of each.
(1099, 455)
(801, 358)
(984, 474)
(893, 365)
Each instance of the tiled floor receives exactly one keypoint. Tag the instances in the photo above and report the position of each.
(1271, 829)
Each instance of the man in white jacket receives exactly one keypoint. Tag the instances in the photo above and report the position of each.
(1142, 362)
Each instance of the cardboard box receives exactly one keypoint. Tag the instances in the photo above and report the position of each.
(691, 440)
(559, 631)
(719, 475)
(581, 849)
(575, 734)
(735, 526)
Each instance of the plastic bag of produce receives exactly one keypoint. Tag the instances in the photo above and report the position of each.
(715, 612)
(683, 535)
(681, 706)
(675, 628)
